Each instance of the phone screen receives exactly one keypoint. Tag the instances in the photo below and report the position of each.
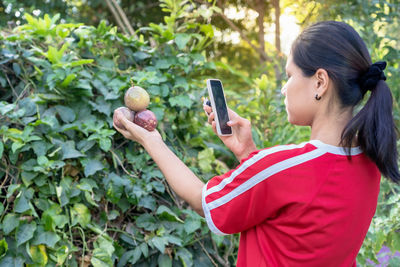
(220, 104)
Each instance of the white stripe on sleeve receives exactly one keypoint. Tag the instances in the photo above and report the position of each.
(207, 213)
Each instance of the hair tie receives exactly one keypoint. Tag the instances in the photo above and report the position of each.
(372, 76)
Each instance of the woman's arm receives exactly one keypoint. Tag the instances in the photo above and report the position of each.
(182, 180)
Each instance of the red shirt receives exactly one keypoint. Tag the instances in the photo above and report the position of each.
(295, 205)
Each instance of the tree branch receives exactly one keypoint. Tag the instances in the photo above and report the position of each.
(277, 24)
(260, 8)
(124, 18)
(308, 15)
(116, 16)
(218, 257)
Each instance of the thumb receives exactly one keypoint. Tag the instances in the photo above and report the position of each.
(127, 123)
(233, 122)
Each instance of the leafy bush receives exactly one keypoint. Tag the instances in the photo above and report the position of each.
(73, 191)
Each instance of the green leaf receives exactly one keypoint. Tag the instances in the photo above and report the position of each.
(1, 208)
(180, 101)
(11, 189)
(25, 233)
(27, 177)
(90, 199)
(105, 144)
(147, 222)
(3, 248)
(12, 262)
(115, 186)
(85, 84)
(67, 114)
(159, 112)
(54, 55)
(131, 256)
(139, 56)
(10, 222)
(42, 160)
(68, 79)
(191, 225)
(16, 69)
(159, 243)
(164, 260)
(206, 159)
(168, 214)
(61, 255)
(145, 249)
(102, 254)
(148, 202)
(5, 107)
(16, 145)
(112, 215)
(80, 214)
(163, 64)
(181, 39)
(53, 217)
(185, 256)
(92, 167)
(69, 151)
(47, 238)
(22, 202)
(101, 105)
(174, 240)
(41, 147)
(39, 255)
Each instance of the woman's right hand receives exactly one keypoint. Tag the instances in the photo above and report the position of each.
(241, 141)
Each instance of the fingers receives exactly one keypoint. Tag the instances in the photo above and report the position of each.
(214, 127)
(211, 118)
(235, 119)
(124, 132)
(207, 109)
(130, 126)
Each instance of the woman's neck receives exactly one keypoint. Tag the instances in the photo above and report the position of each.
(328, 129)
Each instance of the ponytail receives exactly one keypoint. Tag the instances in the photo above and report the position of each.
(374, 129)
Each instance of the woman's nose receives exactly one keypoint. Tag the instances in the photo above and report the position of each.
(283, 90)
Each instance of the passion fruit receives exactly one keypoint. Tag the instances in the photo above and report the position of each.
(129, 114)
(136, 98)
(146, 119)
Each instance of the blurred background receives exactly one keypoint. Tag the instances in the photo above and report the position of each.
(57, 56)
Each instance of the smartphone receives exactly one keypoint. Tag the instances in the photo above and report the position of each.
(218, 104)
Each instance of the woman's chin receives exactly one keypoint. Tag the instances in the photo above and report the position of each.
(293, 121)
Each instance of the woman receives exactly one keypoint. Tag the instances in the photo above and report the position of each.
(309, 204)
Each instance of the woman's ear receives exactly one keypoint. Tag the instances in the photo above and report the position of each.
(322, 82)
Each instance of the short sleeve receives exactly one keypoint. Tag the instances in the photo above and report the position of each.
(257, 189)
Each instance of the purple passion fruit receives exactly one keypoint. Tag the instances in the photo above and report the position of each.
(146, 119)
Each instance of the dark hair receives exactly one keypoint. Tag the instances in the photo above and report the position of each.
(338, 48)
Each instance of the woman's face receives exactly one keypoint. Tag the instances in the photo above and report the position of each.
(299, 95)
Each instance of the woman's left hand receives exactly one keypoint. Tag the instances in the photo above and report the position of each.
(136, 133)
